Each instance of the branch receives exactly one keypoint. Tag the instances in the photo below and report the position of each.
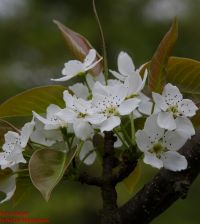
(164, 189)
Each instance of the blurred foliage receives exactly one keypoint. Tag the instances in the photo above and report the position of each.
(32, 51)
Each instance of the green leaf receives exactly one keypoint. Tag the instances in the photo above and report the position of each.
(131, 181)
(37, 99)
(78, 45)
(157, 68)
(47, 167)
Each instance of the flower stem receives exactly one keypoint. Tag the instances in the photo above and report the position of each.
(132, 129)
(105, 60)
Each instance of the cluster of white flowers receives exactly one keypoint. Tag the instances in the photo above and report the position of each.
(99, 105)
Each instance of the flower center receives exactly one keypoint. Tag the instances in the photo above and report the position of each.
(111, 111)
(157, 149)
(81, 115)
(174, 110)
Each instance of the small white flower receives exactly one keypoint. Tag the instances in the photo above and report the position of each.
(126, 66)
(79, 113)
(75, 67)
(45, 137)
(51, 121)
(14, 146)
(160, 147)
(87, 153)
(171, 105)
(111, 103)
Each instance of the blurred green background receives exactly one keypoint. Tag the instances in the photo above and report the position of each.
(32, 51)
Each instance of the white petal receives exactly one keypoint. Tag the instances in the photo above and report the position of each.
(8, 186)
(82, 129)
(100, 89)
(62, 79)
(80, 90)
(72, 68)
(92, 65)
(67, 115)
(86, 151)
(117, 75)
(26, 132)
(69, 99)
(127, 106)
(152, 160)
(82, 106)
(184, 127)
(125, 64)
(145, 107)
(172, 94)
(166, 121)
(143, 81)
(143, 141)
(133, 82)
(90, 57)
(160, 101)
(152, 129)
(42, 119)
(118, 143)
(110, 123)
(174, 161)
(96, 118)
(52, 109)
(173, 141)
(187, 107)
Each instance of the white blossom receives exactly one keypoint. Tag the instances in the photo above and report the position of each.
(45, 137)
(160, 146)
(111, 103)
(51, 121)
(170, 106)
(14, 146)
(74, 67)
(79, 113)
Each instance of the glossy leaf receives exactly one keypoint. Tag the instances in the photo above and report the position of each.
(37, 99)
(157, 67)
(47, 167)
(78, 45)
(131, 181)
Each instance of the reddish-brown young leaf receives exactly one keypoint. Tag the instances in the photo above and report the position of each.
(157, 67)
(78, 45)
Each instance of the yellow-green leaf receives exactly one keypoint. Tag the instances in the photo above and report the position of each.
(78, 45)
(131, 181)
(37, 99)
(47, 167)
(157, 67)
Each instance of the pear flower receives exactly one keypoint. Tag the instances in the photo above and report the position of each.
(51, 121)
(127, 69)
(14, 146)
(79, 113)
(170, 106)
(160, 146)
(74, 67)
(111, 103)
(45, 137)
